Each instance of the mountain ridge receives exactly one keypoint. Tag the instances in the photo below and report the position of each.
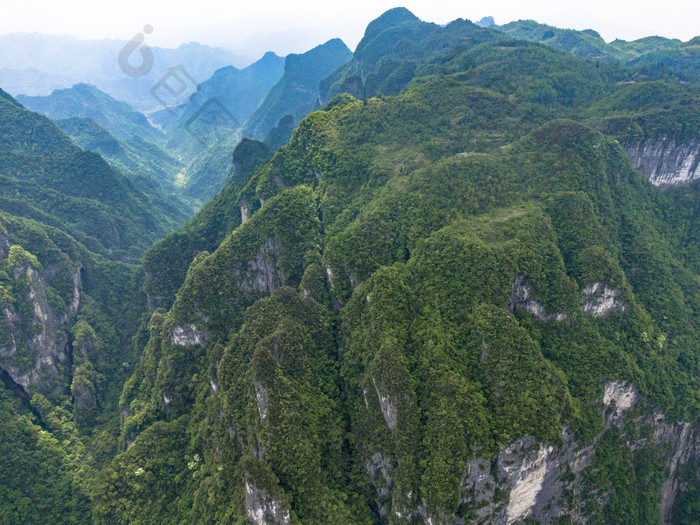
(465, 292)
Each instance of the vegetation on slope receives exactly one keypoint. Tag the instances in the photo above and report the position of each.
(408, 285)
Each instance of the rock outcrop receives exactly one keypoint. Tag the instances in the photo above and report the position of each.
(188, 335)
(530, 480)
(261, 273)
(667, 162)
(387, 406)
(599, 300)
(262, 509)
(37, 335)
(521, 296)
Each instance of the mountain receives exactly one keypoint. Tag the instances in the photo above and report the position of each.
(681, 57)
(240, 91)
(46, 177)
(296, 93)
(393, 47)
(36, 64)
(86, 101)
(475, 300)
(439, 303)
(150, 167)
(486, 21)
(96, 122)
(69, 311)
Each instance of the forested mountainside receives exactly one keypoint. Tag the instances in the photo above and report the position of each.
(69, 308)
(46, 177)
(123, 137)
(681, 57)
(466, 290)
(86, 101)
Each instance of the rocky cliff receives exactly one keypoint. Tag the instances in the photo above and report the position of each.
(35, 346)
(667, 162)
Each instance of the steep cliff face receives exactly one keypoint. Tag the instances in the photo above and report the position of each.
(666, 161)
(544, 483)
(35, 346)
(528, 480)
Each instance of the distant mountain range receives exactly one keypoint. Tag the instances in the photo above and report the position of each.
(240, 91)
(35, 64)
(654, 51)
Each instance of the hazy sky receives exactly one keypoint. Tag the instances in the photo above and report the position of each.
(288, 26)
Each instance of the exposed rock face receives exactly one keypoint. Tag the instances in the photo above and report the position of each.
(77, 287)
(188, 335)
(152, 300)
(261, 396)
(599, 300)
(261, 273)
(623, 395)
(4, 246)
(244, 211)
(380, 466)
(521, 297)
(530, 474)
(35, 346)
(262, 509)
(387, 406)
(84, 401)
(665, 161)
(529, 480)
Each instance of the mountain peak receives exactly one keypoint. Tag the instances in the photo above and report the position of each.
(392, 17)
(334, 51)
(270, 55)
(487, 21)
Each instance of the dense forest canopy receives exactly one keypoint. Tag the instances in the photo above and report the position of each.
(452, 277)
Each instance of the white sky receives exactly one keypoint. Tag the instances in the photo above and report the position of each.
(297, 25)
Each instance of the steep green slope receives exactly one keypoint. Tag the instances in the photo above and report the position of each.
(149, 166)
(415, 294)
(86, 101)
(47, 178)
(65, 351)
(98, 123)
(438, 118)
